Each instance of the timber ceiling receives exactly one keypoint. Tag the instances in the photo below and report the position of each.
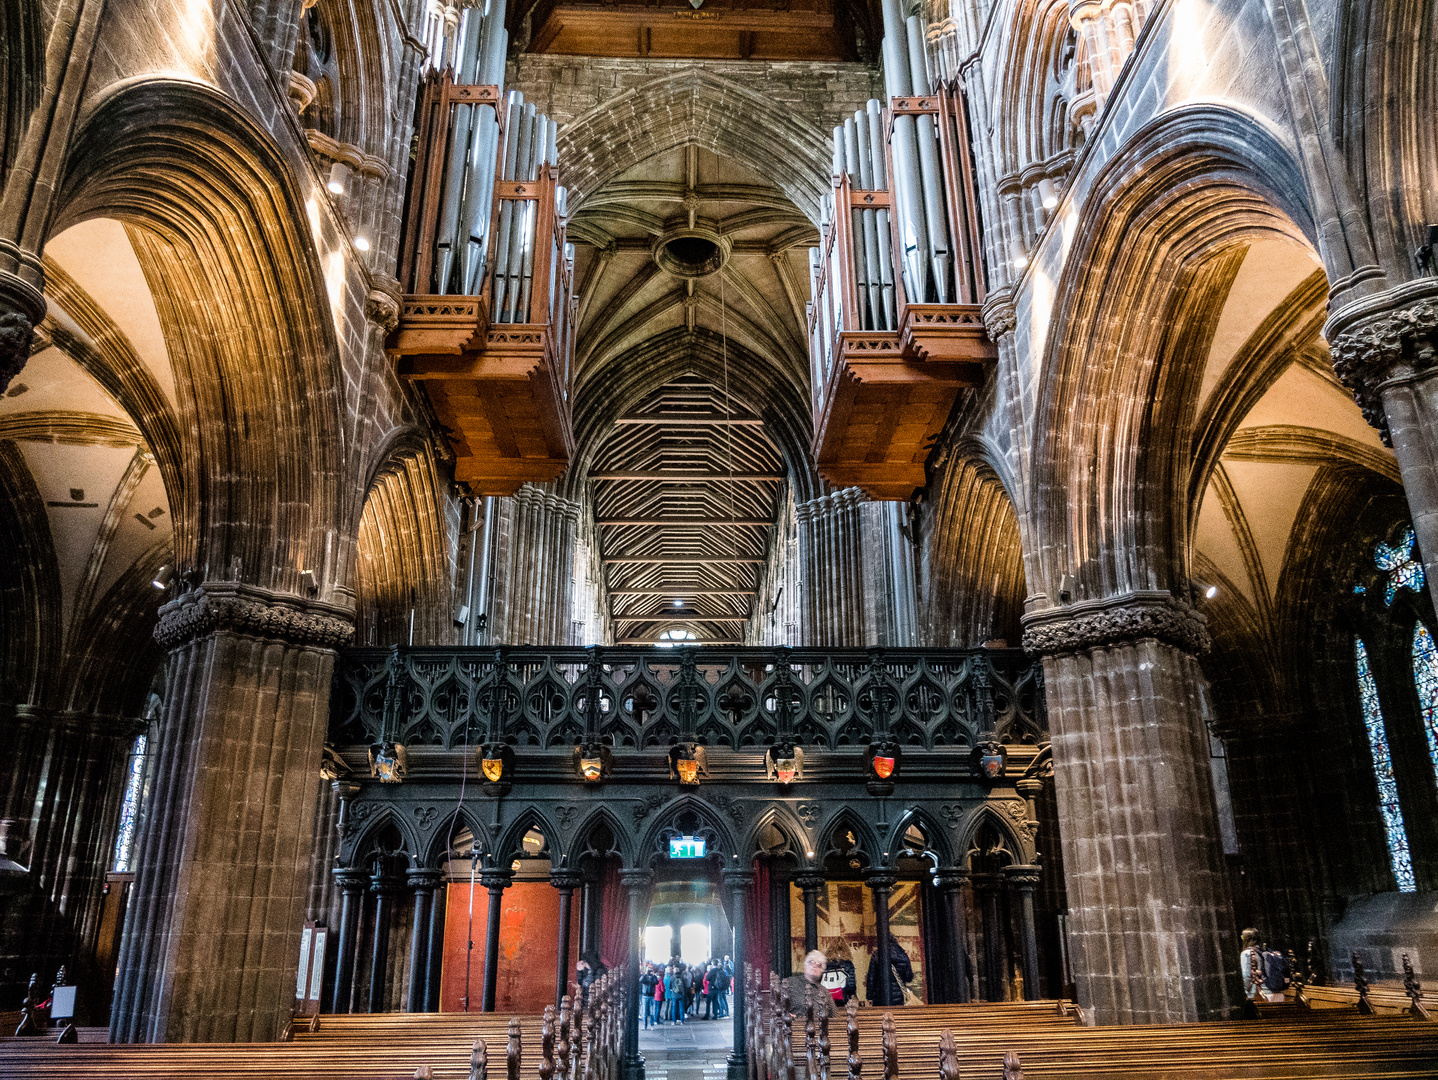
(688, 241)
(707, 30)
(703, 541)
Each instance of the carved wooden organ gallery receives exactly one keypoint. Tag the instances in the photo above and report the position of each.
(865, 766)
(895, 330)
(486, 326)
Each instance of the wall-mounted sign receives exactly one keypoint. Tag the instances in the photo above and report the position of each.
(686, 847)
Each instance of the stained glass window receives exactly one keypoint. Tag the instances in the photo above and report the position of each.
(1401, 562)
(130, 807)
(1398, 854)
(1425, 677)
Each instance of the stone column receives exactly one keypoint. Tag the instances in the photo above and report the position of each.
(882, 883)
(212, 936)
(1151, 922)
(588, 905)
(811, 884)
(27, 203)
(434, 956)
(566, 881)
(986, 888)
(1384, 350)
(637, 882)
(352, 885)
(422, 883)
(383, 886)
(738, 880)
(950, 885)
(496, 881)
(1022, 880)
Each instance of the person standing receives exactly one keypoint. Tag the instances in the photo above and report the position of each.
(888, 991)
(647, 983)
(809, 987)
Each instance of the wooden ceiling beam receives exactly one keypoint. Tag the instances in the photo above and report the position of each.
(681, 523)
(690, 421)
(683, 593)
(682, 560)
(673, 477)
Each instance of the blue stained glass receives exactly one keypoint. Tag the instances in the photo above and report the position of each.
(1398, 854)
(1404, 570)
(1425, 677)
(1360, 589)
(129, 808)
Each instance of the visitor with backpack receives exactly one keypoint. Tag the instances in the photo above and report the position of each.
(1264, 972)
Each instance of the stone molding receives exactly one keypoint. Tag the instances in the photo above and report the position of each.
(633, 879)
(228, 607)
(1367, 340)
(1117, 620)
(1022, 877)
(22, 307)
(1000, 316)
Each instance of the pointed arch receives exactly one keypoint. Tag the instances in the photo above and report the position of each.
(511, 840)
(402, 556)
(1113, 423)
(697, 106)
(866, 841)
(664, 818)
(985, 814)
(976, 559)
(779, 815)
(462, 818)
(245, 311)
(574, 842)
(936, 837)
(386, 816)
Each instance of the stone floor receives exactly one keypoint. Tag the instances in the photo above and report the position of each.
(694, 1050)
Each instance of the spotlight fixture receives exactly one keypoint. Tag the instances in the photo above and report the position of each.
(309, 582)
(163, 577)
(361, 243)
(339, 180)
(679, 603)
(1048, 194)
(1017, 255)
(1204, 589)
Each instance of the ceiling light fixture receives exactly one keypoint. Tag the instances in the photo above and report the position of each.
(1048, 194)
(339, 180)
(361, 243)
(163, 577)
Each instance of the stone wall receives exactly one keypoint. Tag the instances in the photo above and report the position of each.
(568, 87)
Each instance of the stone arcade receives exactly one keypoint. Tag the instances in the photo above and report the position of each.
(1038, 393)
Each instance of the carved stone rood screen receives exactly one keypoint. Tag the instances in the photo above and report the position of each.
(637, 698)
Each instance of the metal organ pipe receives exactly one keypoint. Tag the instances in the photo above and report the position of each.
(882, 218)
(907, 186)
(931, 175)
(874, 254)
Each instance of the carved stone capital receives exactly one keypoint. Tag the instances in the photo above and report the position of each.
(228, 607)
(881, 880)
(22, 306)
(1375, 340)
(496, 879)
(566, 879)
(738, 879)
(1000, 317)
(809, 879)
(636, 879)
(1024, 878)
(382, 308)
(950, 878)
(1118, 620)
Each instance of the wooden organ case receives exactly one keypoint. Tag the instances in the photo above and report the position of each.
(487, 322)
(895, 330)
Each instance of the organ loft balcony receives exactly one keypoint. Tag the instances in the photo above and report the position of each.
(895, 330)
(486, 324)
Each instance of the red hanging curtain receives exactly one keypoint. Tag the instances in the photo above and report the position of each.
(613, 916)
(759, 924)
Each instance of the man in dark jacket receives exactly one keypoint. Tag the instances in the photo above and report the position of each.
(900, 971)
(809, 988)
(647, 983)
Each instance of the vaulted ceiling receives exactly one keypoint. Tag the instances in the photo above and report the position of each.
(688, 245)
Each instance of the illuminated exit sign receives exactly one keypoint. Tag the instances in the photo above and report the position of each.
(686, 847)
